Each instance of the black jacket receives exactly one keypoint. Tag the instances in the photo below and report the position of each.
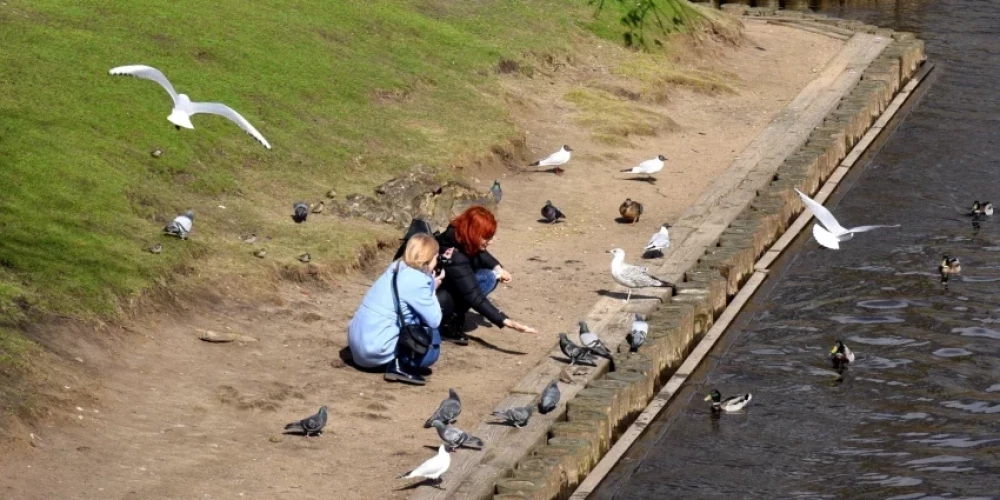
(460, 277)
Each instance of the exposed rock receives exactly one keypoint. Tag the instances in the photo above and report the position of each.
(212, 336)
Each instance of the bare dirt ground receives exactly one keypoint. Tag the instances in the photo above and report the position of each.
(169, 416)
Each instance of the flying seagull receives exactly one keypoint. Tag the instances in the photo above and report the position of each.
(311, 425)
(550, 213)
(184, 108)
(433, 468)
(181, 225)
(556, 159)
(630, 276)
(638, 334)
(648, 167)
(447, 411)
(658, 242)
(831, 233)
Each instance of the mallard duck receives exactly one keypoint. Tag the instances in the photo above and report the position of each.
(986, 208)
(318, 207)
(630, 210)
(949, 266)
(976, 206)
(730, 404)
(550, 213)
(841, 355)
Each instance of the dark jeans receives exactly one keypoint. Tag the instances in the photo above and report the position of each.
(450, 307)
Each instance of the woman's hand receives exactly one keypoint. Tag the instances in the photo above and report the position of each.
(438, 278)
(502, 274)
(509, 323)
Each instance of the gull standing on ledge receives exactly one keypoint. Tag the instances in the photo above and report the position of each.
(658, 242)
(831, 233)
(648, 167)
(433, 468)
(556, 159)
(184, 108)
(630, 276)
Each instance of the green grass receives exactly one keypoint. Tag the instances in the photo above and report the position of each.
(614, 119)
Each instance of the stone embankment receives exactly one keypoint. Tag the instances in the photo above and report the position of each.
(716, 244)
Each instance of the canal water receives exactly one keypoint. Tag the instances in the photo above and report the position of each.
(917, 416)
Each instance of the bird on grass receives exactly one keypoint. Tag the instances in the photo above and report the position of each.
(630, 210)
(433, 468)
(447, 412)
(949, 266)
(575, 354)
(311, 425)
(156, 153)
(557, 159)
(249, 238)
(454, 438)
(184, 108)
(331, 194)
(155, 249)
(300, 211)
(658, 242)
(841, 355)
(318, 207)
(630, 276)
(305, 258)
(828, 232)
(517, 417)
(648, 167)
(730, 404)
(550, 213)
(181, 225)
(591, 341)
(497, 192)
(260, 253)
(637, 336)
(550, 397)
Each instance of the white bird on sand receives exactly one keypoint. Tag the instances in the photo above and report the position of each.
(648, 167)
(433, 468)
(184, 108)
(556, 159)
(181, 225)
(630, 276)
(659, 241)
(831, 233)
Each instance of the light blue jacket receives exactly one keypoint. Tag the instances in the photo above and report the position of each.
(374, 329)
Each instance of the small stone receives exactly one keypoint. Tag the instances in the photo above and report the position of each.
(274, 438)
(213, 336)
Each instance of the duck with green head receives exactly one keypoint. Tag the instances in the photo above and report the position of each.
(728, 405)
(841, 355)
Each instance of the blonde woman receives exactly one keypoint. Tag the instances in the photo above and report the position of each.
(374, 330)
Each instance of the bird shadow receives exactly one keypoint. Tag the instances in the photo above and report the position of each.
(546, 221)
(623, 296)
(552, 170)
(425, 482)
(494, 346)
(623, 220)
(500, 423)
(300, 433)
(647, 180)
(568, 361)
(653, 254)
(348, 359)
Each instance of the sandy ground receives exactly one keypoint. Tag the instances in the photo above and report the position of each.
(174, 417)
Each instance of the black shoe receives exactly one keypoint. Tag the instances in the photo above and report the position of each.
(457, 338)
(395, 373)
(453, 331)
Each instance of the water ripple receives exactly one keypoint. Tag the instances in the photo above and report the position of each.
(977, 331)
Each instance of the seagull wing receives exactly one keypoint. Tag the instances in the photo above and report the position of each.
(146, 73)
(822, 214)
(223, 110)
(825, 238)
(861, 229)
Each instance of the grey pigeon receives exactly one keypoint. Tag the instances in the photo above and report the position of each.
(448, 411)
(497, 192)
(453, 437)
(518, 417)
(575, 353)
(550, 213)
(550, 398)
(300, 210)
(181, 225)
(310, 426)
(638, 334)
(591, 341)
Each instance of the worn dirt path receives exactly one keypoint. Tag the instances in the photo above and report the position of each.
(174, 417)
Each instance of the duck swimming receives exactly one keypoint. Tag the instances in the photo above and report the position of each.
(841, 355)
(730, 404)
(949, 266)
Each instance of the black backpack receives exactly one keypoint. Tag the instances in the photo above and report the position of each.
(417, 226)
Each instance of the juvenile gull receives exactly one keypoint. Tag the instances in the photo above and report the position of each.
(550, 397)
(448, 411)
(433, 468)
(184, 108)
(556, 159)
(311, 425)
(181, 225)
(630, 276)
(648, 167)
(828, 232)
(638, 334)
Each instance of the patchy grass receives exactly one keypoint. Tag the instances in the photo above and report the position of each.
(657, 78)
(17, 356)
(614, 119)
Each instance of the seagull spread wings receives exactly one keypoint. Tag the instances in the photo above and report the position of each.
(227, 112)
(146, 73)
(832, 233)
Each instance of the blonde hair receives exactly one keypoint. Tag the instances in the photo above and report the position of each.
(420, 250)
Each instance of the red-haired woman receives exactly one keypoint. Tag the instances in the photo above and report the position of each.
(471, 273)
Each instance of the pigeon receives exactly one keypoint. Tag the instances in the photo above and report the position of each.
(648, 167)
(518, 417)
(841, 355)
(181, 225)
(730, 404)
(550, 397)
(433, 468)
(305, 258)
(155, 249)
(454, 438)
(575, 353)
(556, 159)
(831, 233)
(318, 208)
(497, 192)
(300, 210)
(630, 276)
(448, 411)
(591, 341)
(637, 336)
(260, 253)
(630, 210)
(309, 426)
(949, 266)
(550, 213)
(184, 108)
(658, 242)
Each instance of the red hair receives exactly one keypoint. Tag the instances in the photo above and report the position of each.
(472, 227)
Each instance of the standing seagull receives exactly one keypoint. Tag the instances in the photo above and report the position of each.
(638, 334)
(831, 233)
(181, 225)
(550, 397)
(433, 468)
(184, 108)
(648, 167)
(497, 192)
(556, 159)
(658, 242)
(630, 276)
(311, 425)
(550, 213)
(447, 411)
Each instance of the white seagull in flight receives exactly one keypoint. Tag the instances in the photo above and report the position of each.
(184, 108)
(828, 232)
